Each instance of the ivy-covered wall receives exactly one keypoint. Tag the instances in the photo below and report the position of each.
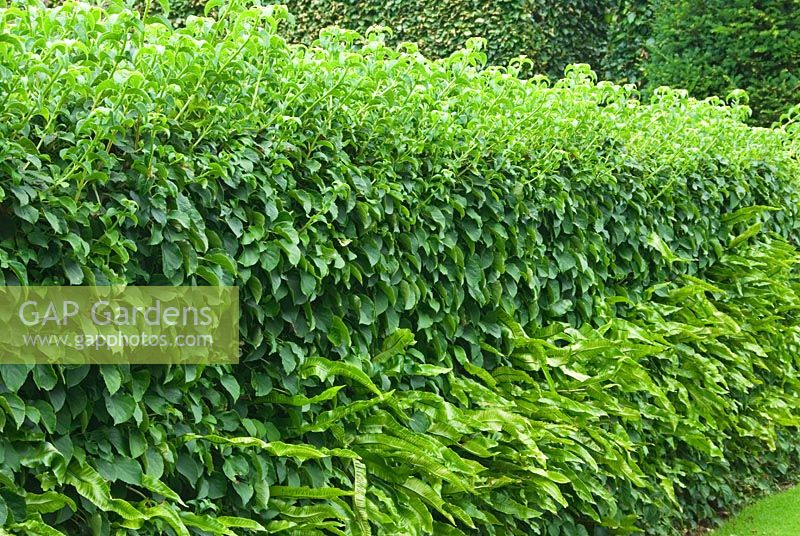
(470, 304)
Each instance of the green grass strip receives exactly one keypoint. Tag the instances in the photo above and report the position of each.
(776, 515)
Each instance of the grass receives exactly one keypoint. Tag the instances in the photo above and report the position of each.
(776, 515)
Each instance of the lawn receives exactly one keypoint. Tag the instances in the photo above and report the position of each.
(776, 515)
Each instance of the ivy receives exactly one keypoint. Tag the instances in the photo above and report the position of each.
(470, 303)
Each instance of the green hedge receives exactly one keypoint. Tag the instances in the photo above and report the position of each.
(394, 224)
(551, 34)
(712, 48)
(628, 42)
(439, 28)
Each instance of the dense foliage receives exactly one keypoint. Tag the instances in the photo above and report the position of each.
(552, 34)
(401, 229)
(613, 37)
(708, 49)
(628, 42)
(712, 48)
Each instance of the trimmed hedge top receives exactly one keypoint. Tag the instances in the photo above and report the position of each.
(355, 192)
(551, 33)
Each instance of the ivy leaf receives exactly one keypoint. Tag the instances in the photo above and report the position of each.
(565, 260)
(73, 272)
(14, 376)
(292, 252)
(270, 257)
(26, 212)
(120, 406)
(560, 307)
(172, 259)
(249, 256)
(223, 260)
(209, 275)
(112, 377)
(338, 333)
(308, 283)
(137, 444)
(288, 359)
(231, 385)
(14, 406)
(262, 384)
(244, 490)
(189, 468)
(473, 272)
(128, 470)
(55, 222)
(44, 376)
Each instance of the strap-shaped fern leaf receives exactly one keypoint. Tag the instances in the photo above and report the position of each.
(360, 498)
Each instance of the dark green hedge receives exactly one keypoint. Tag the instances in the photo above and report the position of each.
(552, 34)
(629, 42)
(711, 48)
(393, 224)
(439, 28)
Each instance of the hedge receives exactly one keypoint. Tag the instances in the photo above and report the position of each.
(551, 34)
(471, 304)
(628, 42)
(715, 47)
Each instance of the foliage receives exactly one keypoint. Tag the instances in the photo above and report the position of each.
(712, 48)
(399, 229)
(628, 42)
(550, 33)
(790, 124)
(439, 28)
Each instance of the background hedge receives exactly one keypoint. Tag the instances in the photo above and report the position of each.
(711, 48)
(401, 230)
(629, 42)
(551, 34)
